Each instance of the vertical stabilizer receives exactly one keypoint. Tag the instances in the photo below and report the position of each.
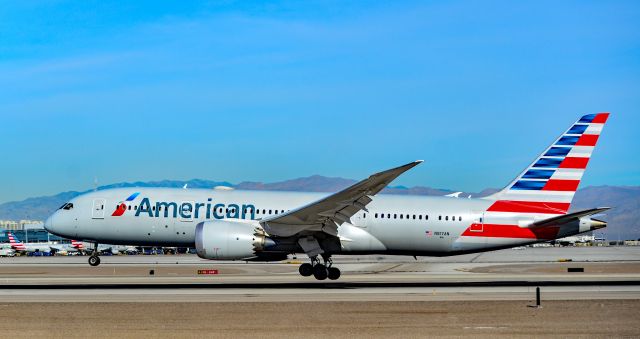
(550, 182)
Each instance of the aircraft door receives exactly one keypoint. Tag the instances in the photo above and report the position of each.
(479, 228)
(478, 223)
(360, 219)
(98, 209)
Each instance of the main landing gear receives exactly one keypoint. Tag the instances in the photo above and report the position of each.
(318, 270)
(94, 259)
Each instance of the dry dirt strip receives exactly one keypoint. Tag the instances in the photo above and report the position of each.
(601, 318)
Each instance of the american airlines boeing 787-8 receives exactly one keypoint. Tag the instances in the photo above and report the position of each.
(227, 224)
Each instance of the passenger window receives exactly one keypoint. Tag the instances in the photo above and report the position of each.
(446, 218)
(439, 217)
(400, 216)
(420, 217)
(269, 212)
(395, 216)
(376, 215)
(459, 218)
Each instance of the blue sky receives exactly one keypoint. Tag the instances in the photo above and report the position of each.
(272, 91)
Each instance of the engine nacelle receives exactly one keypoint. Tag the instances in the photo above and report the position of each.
(230, 240)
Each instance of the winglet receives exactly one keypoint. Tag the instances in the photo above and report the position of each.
(393, 173)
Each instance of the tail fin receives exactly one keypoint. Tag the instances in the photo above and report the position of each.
(15, 243)
(549, 183)
(12, 239)
(77, 244)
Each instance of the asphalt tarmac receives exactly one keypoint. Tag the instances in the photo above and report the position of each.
(485, 294)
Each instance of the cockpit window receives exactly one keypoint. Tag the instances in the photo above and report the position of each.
(66, 206)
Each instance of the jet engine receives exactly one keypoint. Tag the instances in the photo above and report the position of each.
(230, 240)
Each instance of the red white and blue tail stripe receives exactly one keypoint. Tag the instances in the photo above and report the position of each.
(77, 244)
(548, 185)
(15, 243)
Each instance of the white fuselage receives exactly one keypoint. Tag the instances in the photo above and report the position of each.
(412, 225)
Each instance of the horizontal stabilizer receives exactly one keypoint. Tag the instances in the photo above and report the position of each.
(563, 219)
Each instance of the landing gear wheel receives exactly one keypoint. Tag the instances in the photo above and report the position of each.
(333, 273)
(320, 272)
(306, 270)
(94, 260)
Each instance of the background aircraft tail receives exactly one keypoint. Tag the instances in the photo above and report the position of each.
(15, 243)
(77, 244)
(550, 182)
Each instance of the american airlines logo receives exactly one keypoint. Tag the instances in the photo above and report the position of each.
(185, 210)
(122, 206)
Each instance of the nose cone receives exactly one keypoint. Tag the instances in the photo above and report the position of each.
(48, 224)
(55, 225)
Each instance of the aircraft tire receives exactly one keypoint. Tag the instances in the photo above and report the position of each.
(320, 272)
(306, 270)
(333, 273)
(94, 260)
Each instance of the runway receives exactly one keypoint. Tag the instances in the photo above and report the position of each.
(481, 295)
(609, 273)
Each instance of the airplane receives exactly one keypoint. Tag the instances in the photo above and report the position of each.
(19, 246)
(228, 224)
(47, 247)
(76, 247)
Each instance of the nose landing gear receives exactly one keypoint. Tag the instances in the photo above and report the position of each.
(94, 259)
(320, 271)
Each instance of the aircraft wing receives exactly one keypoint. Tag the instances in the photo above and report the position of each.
(328, 213)
(563, 219)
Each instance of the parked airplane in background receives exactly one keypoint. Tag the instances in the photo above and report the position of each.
(106, 248)
(19, 246)
(47, 247)
(226, 224)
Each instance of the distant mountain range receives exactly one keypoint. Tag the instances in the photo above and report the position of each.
(624, 218)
